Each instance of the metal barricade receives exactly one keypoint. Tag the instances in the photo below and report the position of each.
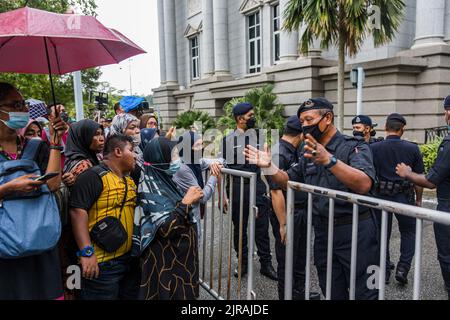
(227, 246)
(421, 214)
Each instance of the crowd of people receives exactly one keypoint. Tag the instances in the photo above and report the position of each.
(130, 198)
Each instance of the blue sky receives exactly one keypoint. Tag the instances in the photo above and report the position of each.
(137, 19)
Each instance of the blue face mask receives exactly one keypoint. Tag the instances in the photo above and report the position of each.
(174, 167)
(17, 120)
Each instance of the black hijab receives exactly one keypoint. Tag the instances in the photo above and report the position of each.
(158, 194)
(193, 162)
(79, 140)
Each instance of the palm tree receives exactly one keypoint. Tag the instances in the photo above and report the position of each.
(342, 23)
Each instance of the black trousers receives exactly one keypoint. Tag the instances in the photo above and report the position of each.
(442, 236)
(299, 263)
(261, 225)
(407, 228)
(367, 256)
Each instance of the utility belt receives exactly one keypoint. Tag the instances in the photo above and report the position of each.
(343, 220)
(391, 188)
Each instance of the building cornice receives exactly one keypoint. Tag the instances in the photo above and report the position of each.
(249, 6)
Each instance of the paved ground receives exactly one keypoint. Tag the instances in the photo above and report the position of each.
(266, 289)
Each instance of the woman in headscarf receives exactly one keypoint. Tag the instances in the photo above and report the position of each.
(191, 172)
(165, 235)
(33, 130)
(128, 125)
(36, 277)
(85, 140)
(147, 135)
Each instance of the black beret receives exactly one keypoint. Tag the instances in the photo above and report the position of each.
(315, 104)
(447, 103)
(293, 123)
(365, 120)
(242, 108)
(396, 117)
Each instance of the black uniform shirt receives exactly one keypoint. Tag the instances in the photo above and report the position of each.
(439, 175)
(352, 151)
(235, 158)
(388, 153)
(288, 156)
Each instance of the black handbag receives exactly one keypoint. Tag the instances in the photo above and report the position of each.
(109, 233)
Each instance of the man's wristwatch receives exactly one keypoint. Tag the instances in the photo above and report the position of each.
(333, 162)
(86, 252)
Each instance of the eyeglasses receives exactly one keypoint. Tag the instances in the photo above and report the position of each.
(18, 105)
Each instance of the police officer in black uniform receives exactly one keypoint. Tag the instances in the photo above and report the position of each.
(386, 155)
(332, 160)
(288, 151)
(438, 178)
(364, 127)
(233, 152)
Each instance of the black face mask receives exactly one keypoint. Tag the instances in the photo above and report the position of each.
(314, 130)
(373, 133)
(358, 134)
(251, 123)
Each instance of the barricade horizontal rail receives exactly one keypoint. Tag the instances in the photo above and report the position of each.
(420, 214)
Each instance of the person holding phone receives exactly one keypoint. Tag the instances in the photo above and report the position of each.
(36, 277)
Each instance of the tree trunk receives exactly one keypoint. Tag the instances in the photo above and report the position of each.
(341, 82)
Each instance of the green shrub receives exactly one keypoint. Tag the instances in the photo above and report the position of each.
(429, 152)
(268, 112)
(187, 119)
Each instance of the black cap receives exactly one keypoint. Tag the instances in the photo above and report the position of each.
(242, 108)
(315, 104)
(396, 117)
(293, 123)
(447, 103)
(365, 120)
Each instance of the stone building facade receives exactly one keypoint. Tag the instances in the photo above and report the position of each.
(215, 50)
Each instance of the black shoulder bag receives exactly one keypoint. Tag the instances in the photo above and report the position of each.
(109, 233)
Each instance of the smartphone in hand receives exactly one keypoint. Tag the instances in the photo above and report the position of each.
(47, 176)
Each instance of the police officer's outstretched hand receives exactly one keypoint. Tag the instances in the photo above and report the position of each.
(262, 159)
(316, 151)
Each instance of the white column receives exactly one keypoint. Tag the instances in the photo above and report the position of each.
(170, 42)
(429, 22)
(220, 16)
(288, 41)
(447, 21)
(162, 49)
(266, 35)
(78, 93)
(207, 43)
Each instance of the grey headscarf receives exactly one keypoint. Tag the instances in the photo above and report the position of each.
(119, 125)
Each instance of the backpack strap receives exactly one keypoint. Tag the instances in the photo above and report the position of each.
(100, 170)
(31, 149)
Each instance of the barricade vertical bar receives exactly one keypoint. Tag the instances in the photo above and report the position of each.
(230, 237)
(354, 251)
(221, 198)
(205, 229)
(418, 259)
(308, 247)
(253, 211)
(383, 251)
(241, 229)
(211, 248)
(330, 249)
(289, 244)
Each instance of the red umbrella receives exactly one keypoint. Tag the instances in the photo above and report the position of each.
(42, 42)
